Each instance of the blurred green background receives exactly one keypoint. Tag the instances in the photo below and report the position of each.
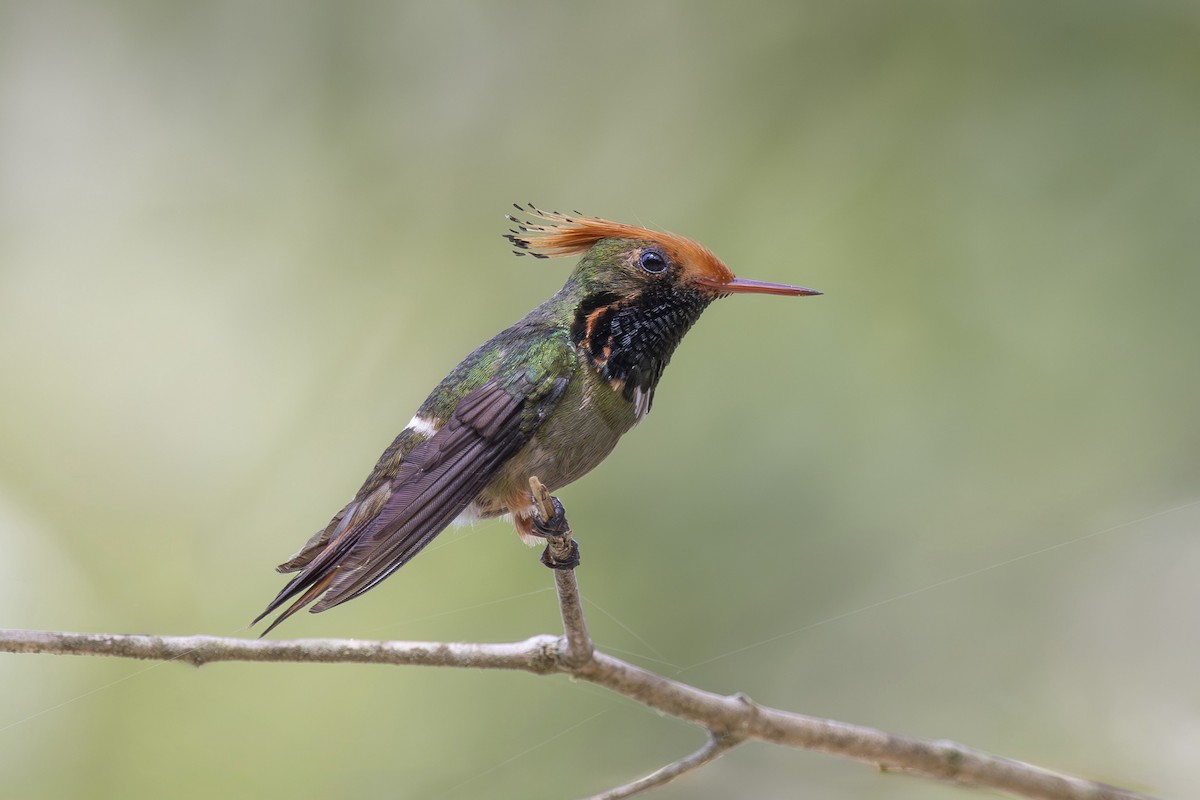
(240, 242)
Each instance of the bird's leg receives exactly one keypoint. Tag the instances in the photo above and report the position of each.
(550, 522)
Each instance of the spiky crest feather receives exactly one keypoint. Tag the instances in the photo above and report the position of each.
(568, 235)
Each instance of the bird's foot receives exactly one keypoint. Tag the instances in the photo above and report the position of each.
(558, 561)
(562, 552)
(557, 525)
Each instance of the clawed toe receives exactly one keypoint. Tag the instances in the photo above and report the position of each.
(555, 526)
(570, 562)
(562, 552)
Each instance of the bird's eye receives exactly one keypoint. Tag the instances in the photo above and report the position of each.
(652, 261)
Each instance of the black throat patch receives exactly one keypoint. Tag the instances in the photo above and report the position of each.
(632, 339)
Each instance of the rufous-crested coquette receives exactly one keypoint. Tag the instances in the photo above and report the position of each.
(547, 397)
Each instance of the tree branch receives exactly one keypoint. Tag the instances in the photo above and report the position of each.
(735, 716)
(729, 720)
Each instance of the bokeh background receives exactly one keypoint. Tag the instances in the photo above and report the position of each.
(954, 497)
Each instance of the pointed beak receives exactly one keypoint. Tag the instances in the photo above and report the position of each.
(746, 286)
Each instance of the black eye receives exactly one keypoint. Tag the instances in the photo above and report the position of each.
(652, 261)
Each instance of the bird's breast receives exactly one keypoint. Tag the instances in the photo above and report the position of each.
(579, 433)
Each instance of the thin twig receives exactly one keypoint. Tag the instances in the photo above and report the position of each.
(578, 643)
(714, 748)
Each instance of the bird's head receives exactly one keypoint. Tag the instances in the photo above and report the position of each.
(629, 261)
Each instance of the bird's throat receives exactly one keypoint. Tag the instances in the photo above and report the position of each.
(629, 340)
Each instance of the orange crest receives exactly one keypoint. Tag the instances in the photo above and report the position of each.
(568, 235)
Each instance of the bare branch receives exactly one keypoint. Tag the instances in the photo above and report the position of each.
(734, 716)
(729, 720)
(538, 654)
(712, 749)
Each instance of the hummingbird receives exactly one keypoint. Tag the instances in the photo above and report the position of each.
(547, 397)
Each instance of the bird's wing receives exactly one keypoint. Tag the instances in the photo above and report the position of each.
(435, 482)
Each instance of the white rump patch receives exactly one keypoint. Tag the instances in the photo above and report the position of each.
(469, 516)
(419, 424)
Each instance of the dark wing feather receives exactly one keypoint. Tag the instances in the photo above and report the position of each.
(434, 484)
(449, 473)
